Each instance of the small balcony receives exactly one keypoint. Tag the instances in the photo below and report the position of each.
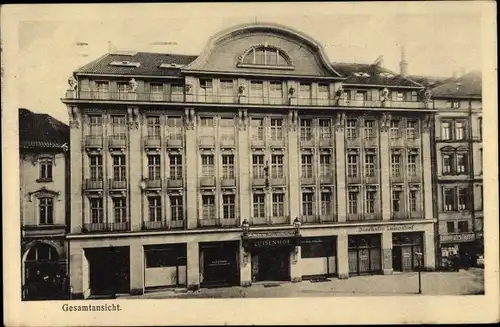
(371, 179)
(307, 180)
(370, 142)
(314, 219)
(278, 181)
(416, 178)
(206, 141)
(277, 143)
(399, 215)
(228, 182)
(307, 142)
(227, 143)
(258, 142)
(396, 142)
(117, 142)
(327, 219)
(325, 142)
(354, 142)
(213, 222)
(117, 184)
(416, 215)
(163, 225)
(94, 185)
(207, 181)
(173, 141)
(152, 141)
(93, 141)
(326, 179)
(283, 220)
(152, 184)
(413, 142)
(259, 221)
(258, 182)
(175, 183)
(397, 178)
(353, 179)
(229, 222)
(106, 227)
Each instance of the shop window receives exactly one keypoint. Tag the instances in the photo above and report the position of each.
(317, 248)
(165, 256)
(42, 252)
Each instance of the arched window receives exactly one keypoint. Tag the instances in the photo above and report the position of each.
(42, 252)
(265, 56)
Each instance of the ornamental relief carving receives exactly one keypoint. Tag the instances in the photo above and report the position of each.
(385, 122)
(340, 121)
(292, 120)
(242, 119)
(189, 118)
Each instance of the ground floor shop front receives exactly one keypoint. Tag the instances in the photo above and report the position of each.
(135, 264)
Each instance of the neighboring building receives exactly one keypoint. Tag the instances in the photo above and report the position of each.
(459, 165)
(258, 160)
(43, 147)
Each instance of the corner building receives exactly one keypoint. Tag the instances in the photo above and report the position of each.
(326, 166)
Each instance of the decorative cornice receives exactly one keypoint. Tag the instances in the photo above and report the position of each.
(44, 192)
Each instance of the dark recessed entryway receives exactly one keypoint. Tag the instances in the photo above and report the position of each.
(219, 264)
(109, 270)
(271, 264)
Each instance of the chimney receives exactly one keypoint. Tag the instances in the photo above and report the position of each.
(403, 64)
(379, 62)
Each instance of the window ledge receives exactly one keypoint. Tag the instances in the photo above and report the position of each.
(44, 180)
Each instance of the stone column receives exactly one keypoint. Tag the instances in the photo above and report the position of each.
(245, 267)
(191, 169)
(427, 169)
(76, 169)
(295, 271)
(387, 253)
(385, 167)
(136, 269)
(340, 169)
(193, 265)
(293, 164)
(243, 168)
(429, 248)
(342, 255)
(136, 159)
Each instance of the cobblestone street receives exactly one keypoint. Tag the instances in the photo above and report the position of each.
(433, 283)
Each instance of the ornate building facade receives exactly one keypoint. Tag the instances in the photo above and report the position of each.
(257, 160)
(44, 161)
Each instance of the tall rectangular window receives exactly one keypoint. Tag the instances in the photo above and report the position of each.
(325, 129)
(370, 159)
(207, 165)
(277, 166)
(361, 96)
(177, 92)
(396, 165)
(463, 199)
(95, 125)
(175, 166)
(449, 199)
(411, 129)
(206, 90)
(208, 206)
(307, 204)
(445, 130)
(307, 166)
(119, 168)
(459, 130)
(46, 211)
(369, 129)
(153, 123)
(259, 205)
(323, 94)
(396, 200)
(278, 205)
(102, 90)
(120, 210)
(275, 92)
(206, 126)
(305, 93)
(276, 129)
(370, 201)
(176, 208)
(154, 206)
(123, 89)
(306, 130)
(228, 166)
(154, 167)
(394, 130)
(258, 166)
(480, 127)
(226, 129)
(256, 92)
(447, 163)
(174, 128)
(226, 91)
(228, 206)
(325, 168)
(412, 164)
(96, 211)
(257, 129)
(352, 165)
(46, 169)
(413, 200)
(118, 127)
(96, 171)
(326, 204)
(450, 227)
(351, 130)
(463, 226)
(461, 163)
(353, 202)
(156, 90)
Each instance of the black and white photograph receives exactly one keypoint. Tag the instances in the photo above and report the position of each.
(231, 152)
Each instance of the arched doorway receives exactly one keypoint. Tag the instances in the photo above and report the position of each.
(42, 274)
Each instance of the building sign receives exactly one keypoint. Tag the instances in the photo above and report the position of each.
(466, 237)
(264, 240)
(272, 242)
(383, 228)
(219, 263)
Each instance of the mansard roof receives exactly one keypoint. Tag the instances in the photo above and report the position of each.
(41, 131)
(465, 86)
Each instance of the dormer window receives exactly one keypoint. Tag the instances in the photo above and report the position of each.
(361, 74)
(171, 65)
(265, 55)
(125, 63)
(387, 75)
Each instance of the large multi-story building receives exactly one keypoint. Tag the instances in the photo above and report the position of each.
(257, 160)
(44, 161)
(459, 165)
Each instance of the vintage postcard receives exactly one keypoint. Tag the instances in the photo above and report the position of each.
(250, 163)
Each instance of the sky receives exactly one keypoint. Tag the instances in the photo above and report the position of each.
(437, 41)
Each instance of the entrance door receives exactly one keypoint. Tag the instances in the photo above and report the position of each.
(396, 258)
(219, 265)
(109, 270)
(274, 265)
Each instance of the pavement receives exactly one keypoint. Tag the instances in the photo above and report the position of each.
(464, 282)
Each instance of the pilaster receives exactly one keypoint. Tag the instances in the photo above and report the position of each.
(136, 269)
(340, 168)
(295, 271)
(245, 267)
(191, 170)
(244, 166)
(342, 255)
(427, 170)
(193, 266)
(77, 177)
(385, 167)
(429, 248)
(136, 159)
(293, 164)
(387, 253)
